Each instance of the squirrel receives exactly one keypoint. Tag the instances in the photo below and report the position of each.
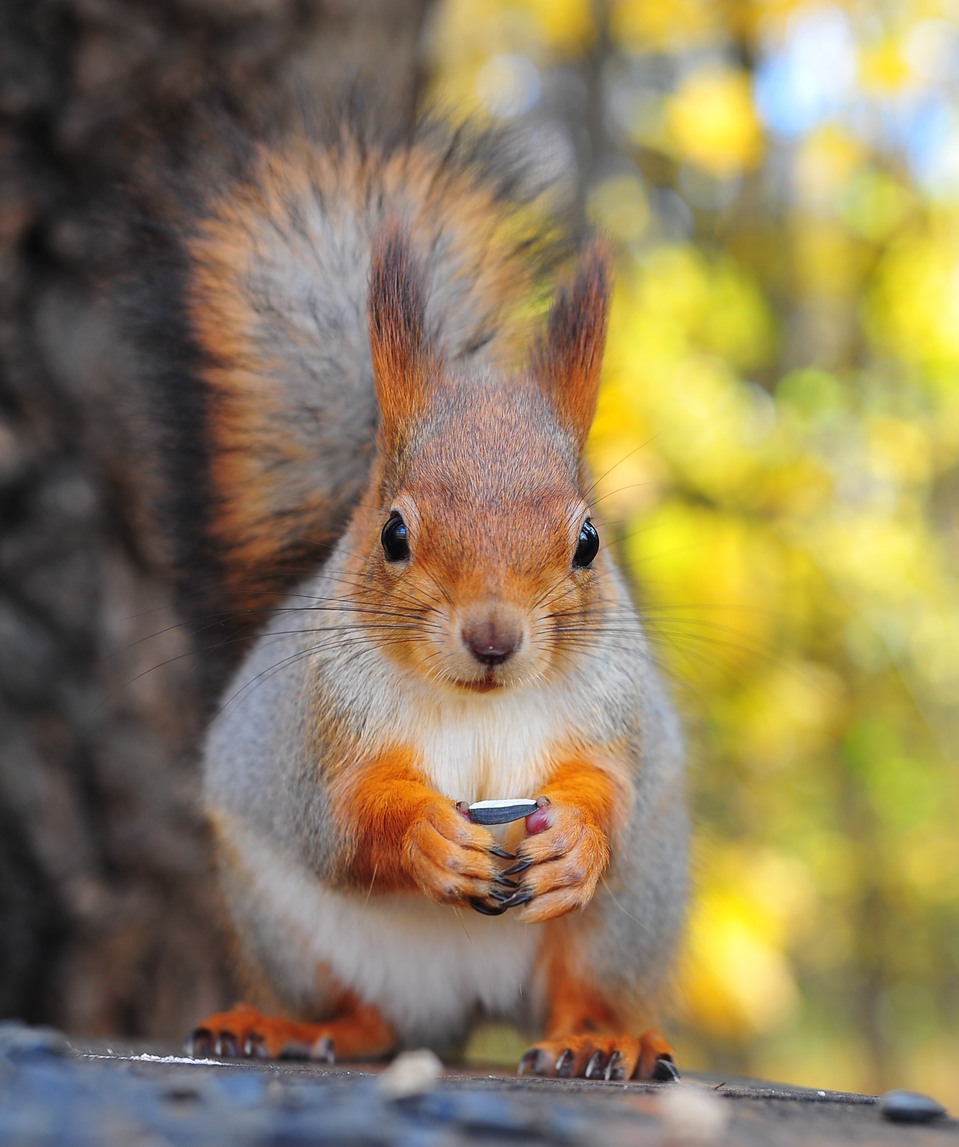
(375, 440)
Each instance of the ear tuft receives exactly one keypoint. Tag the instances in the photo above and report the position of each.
(569, 363)
(403, 365)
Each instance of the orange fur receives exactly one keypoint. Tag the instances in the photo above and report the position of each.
(405, 836)
(569, 363)
(596, 792)
(355, 1031)
(575, 1006)
(570, 856)
(404, 368)
(584, 1027)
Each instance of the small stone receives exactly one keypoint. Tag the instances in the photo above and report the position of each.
(18, 1041)
(910, 1107)
(690, 1115)
(411, 1073)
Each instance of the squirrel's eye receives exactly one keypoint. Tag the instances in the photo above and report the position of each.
(588, 545)
(396, 539)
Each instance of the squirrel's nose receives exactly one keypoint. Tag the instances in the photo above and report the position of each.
(492, 640)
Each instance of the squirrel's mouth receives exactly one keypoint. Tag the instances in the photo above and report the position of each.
(482, 684)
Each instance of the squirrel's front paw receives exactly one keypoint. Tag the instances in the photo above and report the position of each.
(452, 860)
(559, 863)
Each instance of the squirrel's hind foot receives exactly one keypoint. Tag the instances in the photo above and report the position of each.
(611, 1057)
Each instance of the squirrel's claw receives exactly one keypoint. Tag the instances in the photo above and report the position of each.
(322, 1050)
(615, 1067)
(665, 1071)
(254, 1047)
(485, 909)
(524, 896)
(596, 1065)
(200, 1043)
(534, 1062)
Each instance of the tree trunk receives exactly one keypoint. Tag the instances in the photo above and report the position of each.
(106, 904)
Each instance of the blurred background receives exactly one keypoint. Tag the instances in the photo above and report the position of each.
(778, 446)
(778, 441)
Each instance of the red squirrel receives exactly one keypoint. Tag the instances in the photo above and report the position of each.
(377, 454)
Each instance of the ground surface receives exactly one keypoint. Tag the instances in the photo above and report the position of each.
(55, 1092)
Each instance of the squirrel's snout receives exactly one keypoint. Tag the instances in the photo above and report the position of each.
(492, 639)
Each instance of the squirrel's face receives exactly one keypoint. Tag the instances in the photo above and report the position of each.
(482, 568)
(485, 598)
(484, 552)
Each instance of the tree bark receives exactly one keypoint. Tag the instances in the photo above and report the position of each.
(106, 903)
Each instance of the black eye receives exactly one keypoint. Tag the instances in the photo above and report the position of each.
(588, 545)
(396, 539)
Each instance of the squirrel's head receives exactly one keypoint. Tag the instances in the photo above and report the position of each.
(482, 548)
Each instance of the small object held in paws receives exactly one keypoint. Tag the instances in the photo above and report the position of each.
(501, 811)
(910, 1107)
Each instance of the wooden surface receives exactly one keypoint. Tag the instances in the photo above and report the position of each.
(52, 1091)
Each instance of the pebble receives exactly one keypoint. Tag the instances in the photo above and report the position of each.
(690, 1115)
(411, 1073)
(20, 1042)
(910, 1107)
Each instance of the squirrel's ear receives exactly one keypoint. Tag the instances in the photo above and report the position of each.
(568, 364)
(403, 364)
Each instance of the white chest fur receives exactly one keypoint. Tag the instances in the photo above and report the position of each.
(484, 747)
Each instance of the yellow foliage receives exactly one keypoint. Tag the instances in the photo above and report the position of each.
(791, 714)
(619, 207)
(711, 583)
(567, 26)
(683, 300)
(913, 307)
(714, 122)
(827, 160)
(898, 451)
(474, 31)
(873, 204)
(826, 262)
(750, 905)
(883, 66)
(661, 25)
